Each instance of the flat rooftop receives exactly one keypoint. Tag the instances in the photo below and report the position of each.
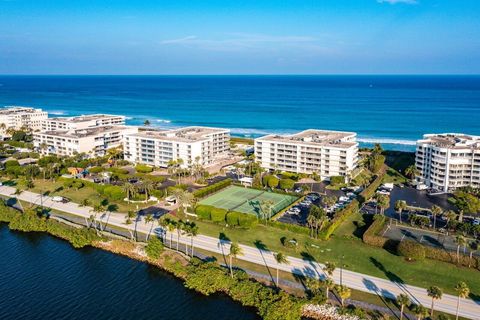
(84, 118)
(315, 137)
(187, 134)
(81, 133)
(18, 109)
(451, 140)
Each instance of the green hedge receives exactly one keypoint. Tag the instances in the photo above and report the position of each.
(290, 227)
(339, 218)
(337, 180)
(218, 214)
(369, 191)
(200, 193)
(203, 211)
(142, 168)
(411, 250)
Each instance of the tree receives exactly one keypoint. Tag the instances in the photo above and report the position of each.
(329, 268)
(329, 285)
(85, 203)
(192, 231)
(463, 291)
(184, 199)
(171, 226)
(402, 301)
(130, 190)
(149, 219)
(287, 184)
(436, 211)
(435, 293)
(411, 171)
(450, 215)
(329, 201)
(280, 258)
(466, 202)
(383, 201)
(420, 311)
(147, 188)
(461, 241)
(400, 205)
(180, 227)
(343, 293)
(311, 223)
(235, 250)
(273, 182)
(266, 209)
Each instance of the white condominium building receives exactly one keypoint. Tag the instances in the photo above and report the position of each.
(92, 141)
(448, 161)
(191, 144)
(82, 122)
(18, 117)
(327, 153)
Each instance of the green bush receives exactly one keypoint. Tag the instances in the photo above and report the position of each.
(200, 193)
(287, 184)
(142, 168)
(273, 182)
(11, 163)
(337, 180)
(95, 169)
(119, 171)
(203, 211)
(370, 190)
(290, 227)
(154, 248)
(247, 221)
(411, 250)
(218, 214)
(233, 218)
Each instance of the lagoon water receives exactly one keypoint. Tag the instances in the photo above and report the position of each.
(42, 277)
(393, 110)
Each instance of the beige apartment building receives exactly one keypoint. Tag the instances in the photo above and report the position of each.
(82, 122)
(191, 144)
(448, 161)
(18, 117)
(94, 142)
(327, 153)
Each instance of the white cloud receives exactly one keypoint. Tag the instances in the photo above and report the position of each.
(398, 1)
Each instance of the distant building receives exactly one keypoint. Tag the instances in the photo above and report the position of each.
(92, 141)
(191, 144)
(448, 161)
(18, 117)
(327, 153)
(82, 122)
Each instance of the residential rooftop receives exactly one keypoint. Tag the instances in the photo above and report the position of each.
(187, 134)
(82, 133)
(315, 137)
(451, 140)
(83, 118)
(6, 110)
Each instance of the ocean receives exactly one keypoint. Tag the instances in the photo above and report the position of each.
(392, 110)
(46, 278)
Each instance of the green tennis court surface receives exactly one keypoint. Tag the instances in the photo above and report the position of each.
(247, 200)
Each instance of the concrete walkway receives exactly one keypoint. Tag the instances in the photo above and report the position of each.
(468, 308)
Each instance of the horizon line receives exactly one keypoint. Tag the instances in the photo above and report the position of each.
(230, 74)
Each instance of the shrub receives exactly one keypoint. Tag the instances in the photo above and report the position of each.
(11, 163)
(337, 180)
(154, 248)
(142, 168)
(95, 169)
(411, 250)
(273, 182)
(339, 217)
(200, 193)
(286, 184)
(203, 211)
(119, 171)
(247, 221)
(218, 214)
(233, 218)
(290, 227)
(369, 191)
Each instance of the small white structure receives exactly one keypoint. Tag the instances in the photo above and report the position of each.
(246, 181)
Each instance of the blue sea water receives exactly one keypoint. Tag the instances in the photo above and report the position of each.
(46, 278)
(392, 110)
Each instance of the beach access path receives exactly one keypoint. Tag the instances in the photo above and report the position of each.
(468, 308)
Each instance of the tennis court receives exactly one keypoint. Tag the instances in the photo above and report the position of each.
(248, 200)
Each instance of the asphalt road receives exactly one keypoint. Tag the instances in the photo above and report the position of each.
(387, 288)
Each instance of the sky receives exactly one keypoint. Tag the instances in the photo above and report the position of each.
(240, 37)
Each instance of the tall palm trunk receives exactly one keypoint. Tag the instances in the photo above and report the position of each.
(401, 312)
(231, 266)
(458, 304)
(191, 245)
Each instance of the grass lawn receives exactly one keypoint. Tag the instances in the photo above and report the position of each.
(394, 177)
(55, 188)
(359, 257)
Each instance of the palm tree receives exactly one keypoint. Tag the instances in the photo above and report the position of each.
(329, 285)
(329, 201)
(461, 241)
(311, 222)
(192, 231)
(130, 189)
(383, 201)
(110, 208)
(147, 188)
(180, 227)
(184, 199)
(435, 293)
(343, 293)
(402, 301)
(280, 258)
(412, 171)
(450, 215)
(400, 205)
(329, 268)
(266, 209)
(85, 203)
(149, 219)
(171, 226)
(463, 291)
(436, 211)
(235, 250)
(472, 246)
(420, 311)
